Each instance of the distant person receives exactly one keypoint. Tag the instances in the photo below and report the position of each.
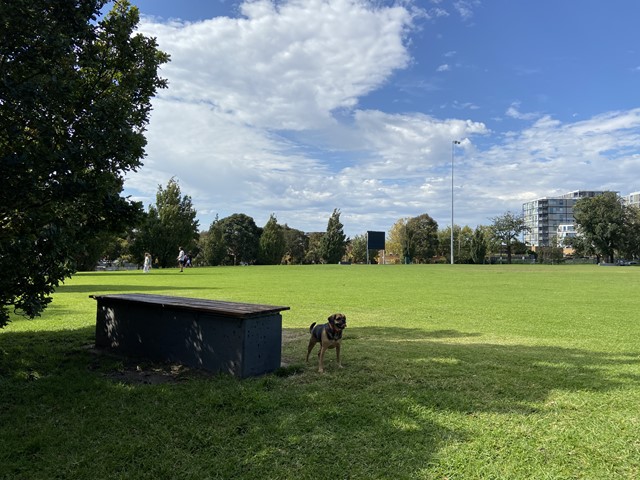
(147, 263)
(181, 258)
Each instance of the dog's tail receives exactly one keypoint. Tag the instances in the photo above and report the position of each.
(311, 327)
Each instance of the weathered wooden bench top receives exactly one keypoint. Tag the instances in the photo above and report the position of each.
(227, 309)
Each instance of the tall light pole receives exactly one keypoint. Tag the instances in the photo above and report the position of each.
(453, 149)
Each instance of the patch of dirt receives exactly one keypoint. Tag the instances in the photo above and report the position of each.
(139, 371)
(144, 372)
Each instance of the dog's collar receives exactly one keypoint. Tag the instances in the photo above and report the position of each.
(332, 332)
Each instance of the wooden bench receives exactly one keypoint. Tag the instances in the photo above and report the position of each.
(243, 339)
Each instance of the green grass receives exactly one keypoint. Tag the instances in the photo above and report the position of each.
(463, 372)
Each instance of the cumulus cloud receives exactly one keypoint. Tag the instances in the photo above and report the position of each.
(551, 157)
(286, 65)
(262, 116)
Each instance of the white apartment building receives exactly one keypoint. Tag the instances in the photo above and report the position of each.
(566, 231)
(544, 215)
(632, 199)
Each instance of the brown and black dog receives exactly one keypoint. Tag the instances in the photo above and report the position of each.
(329, 335)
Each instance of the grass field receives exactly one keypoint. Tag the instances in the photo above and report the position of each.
(451, 372)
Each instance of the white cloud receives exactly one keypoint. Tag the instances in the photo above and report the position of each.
(443, 68)
(262, 117)
(465, 8)
(514, 112)
(551, 157)
(284, 67)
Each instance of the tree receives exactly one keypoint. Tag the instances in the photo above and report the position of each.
(272, 243)
(241, 237)
(631, 245)
(601, 221)
(296, 245)
(461, 246)
(75, 96)
(396, 238)
(506, 228)
(334, 243)
(214, 251)
(422, 238)
(313, 254)
(170, 223)
(550, 254)
(479, 246)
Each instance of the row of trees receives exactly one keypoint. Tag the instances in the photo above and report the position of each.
(236, 239)
(607, 228)
(171, 222)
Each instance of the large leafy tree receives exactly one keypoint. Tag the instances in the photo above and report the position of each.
(214, 250)
(421, 238)
(241, 237)
(506, 229)
(171, 223)
(272, 243)
(631, 245)
(334, 242)
(358, 249)
(296, 245)
(75, 94)
(313, 253)
(602, 222)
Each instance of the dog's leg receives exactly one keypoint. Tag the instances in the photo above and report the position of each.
(338, 354)
(312, 343)
(323, 349)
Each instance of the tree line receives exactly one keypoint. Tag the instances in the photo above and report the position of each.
(237, 240)
(607, 227)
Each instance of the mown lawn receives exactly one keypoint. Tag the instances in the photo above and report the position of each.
(463, 372)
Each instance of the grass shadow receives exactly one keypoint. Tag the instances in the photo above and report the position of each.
(383, 412)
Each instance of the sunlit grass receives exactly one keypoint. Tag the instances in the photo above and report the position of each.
(450, 372)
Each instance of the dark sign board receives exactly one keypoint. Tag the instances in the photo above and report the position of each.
(375, 240)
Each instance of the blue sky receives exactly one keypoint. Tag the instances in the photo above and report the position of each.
(297, 107)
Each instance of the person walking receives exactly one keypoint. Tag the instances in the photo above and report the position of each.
(147, 263)
(181, 258)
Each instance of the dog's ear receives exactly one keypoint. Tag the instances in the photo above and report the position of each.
(332, 319)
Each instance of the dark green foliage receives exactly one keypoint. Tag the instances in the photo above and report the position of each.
(334, 243)
(214, 251)
(74, 103)
(296, 244)
(479, 246)
(241, 237)
(313, 255)
(272, 243)
(171, 223)
(421, 238)
(630, 247)
(602, 222)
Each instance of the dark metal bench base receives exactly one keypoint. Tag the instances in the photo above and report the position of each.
(237, 338)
